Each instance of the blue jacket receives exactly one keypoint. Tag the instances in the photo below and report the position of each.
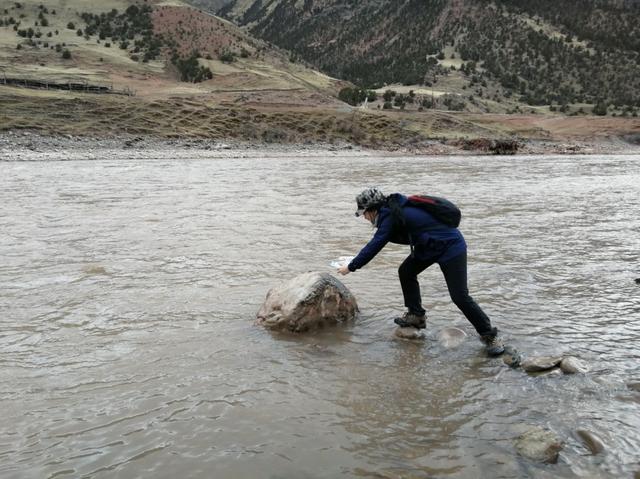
(430, 240)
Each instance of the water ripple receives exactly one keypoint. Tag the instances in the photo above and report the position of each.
(129, 284)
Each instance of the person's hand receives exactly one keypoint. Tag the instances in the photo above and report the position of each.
(344, 270)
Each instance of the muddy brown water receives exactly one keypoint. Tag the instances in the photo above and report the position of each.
(129, 281)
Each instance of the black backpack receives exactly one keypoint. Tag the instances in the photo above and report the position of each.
(441, 209)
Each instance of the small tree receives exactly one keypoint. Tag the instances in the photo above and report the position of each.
(600, 109)
(66, 54)
(71, 26)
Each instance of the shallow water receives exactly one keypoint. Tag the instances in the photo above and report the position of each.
(129, 283)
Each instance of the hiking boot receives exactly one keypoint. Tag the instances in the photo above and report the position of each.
(493, 344)
(410, 320)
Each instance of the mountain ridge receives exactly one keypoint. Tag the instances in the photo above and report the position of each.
(542, 53)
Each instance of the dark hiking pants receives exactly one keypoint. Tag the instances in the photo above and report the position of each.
(455, 274)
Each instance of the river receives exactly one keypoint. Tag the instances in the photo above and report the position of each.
(129, 282)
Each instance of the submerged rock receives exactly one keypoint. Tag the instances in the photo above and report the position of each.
(408, 333)
(94, 269)
(547, 373)
(451, 337)
(539, 444)
(591, 441)
(572, 365)
(511, 357)
(540, 363)
(634, 385)
(307, 302)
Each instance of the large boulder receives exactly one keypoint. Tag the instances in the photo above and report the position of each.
(307, 302)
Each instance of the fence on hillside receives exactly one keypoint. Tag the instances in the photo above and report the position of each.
(68, 86)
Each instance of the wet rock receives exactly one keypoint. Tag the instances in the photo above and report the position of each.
(451, 337)
(540, 363)
(540, 445)
(307, 302)
(634, 385)
(511, 357)
(572, 365)
(92, 269)
(408, 333)
(591, 441)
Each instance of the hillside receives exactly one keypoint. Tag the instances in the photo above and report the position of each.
(574, 55)
(149, 49)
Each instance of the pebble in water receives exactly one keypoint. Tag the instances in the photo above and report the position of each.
(511, 357)
(540, 363)
(540, 445)
(591, 441)
(408, 333)
(572, 365)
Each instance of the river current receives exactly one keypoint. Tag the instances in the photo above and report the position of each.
(129, 282)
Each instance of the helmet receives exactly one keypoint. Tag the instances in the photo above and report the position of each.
(371, 198)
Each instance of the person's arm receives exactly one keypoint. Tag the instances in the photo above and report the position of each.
(373, 247)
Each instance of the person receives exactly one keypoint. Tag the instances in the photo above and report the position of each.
(397, 221)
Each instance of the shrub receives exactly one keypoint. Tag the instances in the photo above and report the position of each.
(453, 102)
(66, 54)
(387, 105)
(226, 57)
(79, 32)
(190, 69)
(388, 95)
(71, 26)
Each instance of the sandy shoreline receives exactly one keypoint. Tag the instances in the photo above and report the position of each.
(20, 144)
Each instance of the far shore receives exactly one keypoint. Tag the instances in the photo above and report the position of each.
(16, 143)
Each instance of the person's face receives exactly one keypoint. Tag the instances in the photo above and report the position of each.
(370, 215)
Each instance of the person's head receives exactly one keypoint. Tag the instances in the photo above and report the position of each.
(369, 202)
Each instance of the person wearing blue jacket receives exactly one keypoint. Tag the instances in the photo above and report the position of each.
(431, 242)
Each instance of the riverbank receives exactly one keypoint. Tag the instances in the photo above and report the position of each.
(44, 120)
(18, 144)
